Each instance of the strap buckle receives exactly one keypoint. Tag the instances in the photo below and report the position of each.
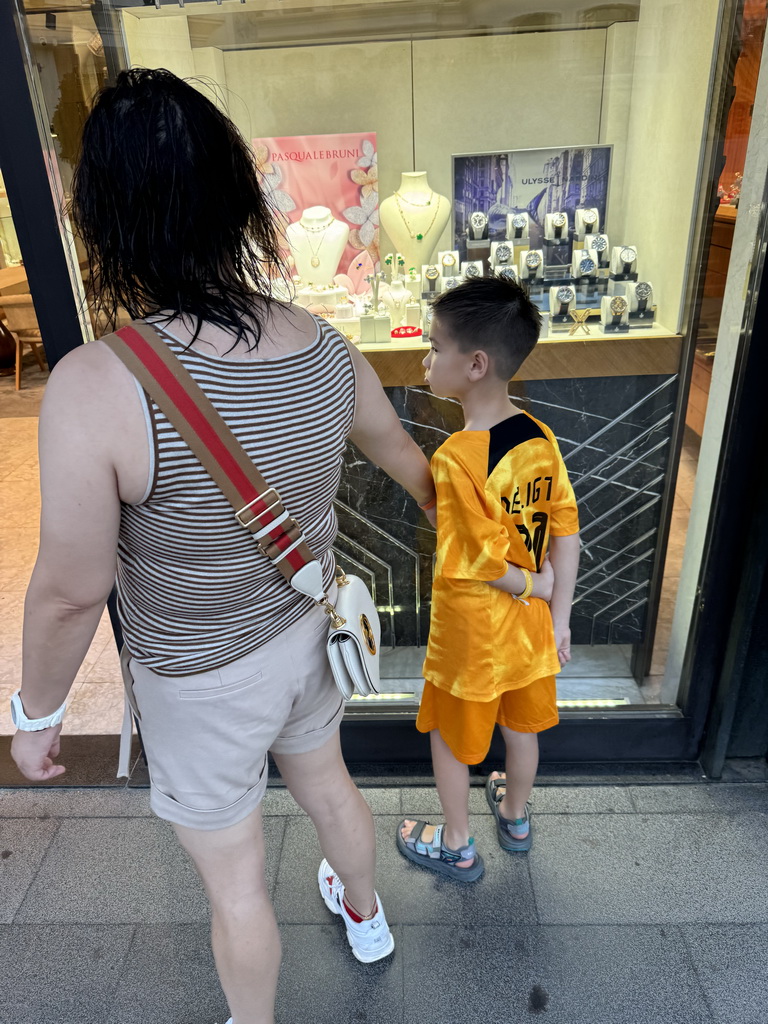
(259, 497)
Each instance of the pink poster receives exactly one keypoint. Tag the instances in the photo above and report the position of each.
(337, 171)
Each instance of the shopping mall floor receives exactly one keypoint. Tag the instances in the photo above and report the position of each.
(644, 900)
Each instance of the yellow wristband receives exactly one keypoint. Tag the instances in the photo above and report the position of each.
(528, 584)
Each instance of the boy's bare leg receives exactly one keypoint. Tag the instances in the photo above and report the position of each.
(452, 779)
(522, 764)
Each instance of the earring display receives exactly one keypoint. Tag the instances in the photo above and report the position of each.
(614, 310)
(472, 269)
(478, 223)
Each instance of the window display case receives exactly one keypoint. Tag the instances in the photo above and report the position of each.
(407, 147)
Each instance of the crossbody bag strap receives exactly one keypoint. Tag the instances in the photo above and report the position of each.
(257, 506)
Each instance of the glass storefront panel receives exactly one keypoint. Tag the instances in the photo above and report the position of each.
(400, 138)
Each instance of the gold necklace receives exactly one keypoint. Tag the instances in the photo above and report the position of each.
(420, 206)
(315, 261)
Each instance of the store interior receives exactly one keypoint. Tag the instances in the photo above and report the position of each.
(410, 87)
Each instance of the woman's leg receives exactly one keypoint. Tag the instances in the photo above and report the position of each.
(244, 935)
(320, 784)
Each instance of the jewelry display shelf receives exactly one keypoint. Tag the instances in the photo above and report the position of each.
(654, 350)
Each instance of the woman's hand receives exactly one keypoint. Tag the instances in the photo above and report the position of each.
(34, 752)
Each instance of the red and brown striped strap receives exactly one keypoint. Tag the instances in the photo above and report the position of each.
(257, 505)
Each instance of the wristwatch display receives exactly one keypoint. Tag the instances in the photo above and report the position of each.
(588, 219)
(559, 221)
(618, 309)
(472, 270)
(565, 296)
(432, 274)
(643, 292)
(628, 255)
(599, 244)
(450, 282)
(478, 222)
(448, 261)
(586, 267)
(519, 223)
(503, 253)
(508, 274)
(532, 262)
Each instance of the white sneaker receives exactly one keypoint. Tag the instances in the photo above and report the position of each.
(370, 940)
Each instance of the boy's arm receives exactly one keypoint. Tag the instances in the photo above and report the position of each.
(513, 581)
(564, 556)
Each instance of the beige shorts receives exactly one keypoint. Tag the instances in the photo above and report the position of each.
(206, 736)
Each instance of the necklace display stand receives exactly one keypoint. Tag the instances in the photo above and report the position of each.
(317, 241)
(396, 298)
(415, 217)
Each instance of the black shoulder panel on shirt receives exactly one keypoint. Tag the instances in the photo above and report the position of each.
(508, 435)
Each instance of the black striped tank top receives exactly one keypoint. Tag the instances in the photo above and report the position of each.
(194, 592)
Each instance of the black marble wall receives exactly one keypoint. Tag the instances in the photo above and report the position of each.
(614, 434)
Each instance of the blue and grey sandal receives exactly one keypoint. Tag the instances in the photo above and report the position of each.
(514, 834)
(436, 856)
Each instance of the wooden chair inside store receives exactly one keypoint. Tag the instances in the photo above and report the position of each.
(22, 323)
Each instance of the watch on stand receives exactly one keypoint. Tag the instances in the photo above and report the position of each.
(503, 254)
(448, 262)
(471, 270)
(478, 222)
(628, 256)
(565, 295)
(599, 245)
(589, 220)
(508, 274)
(519, 225)
(558, 222)
(618, 307)
(450, 282)
(587, 267)
(431, 274)
(532, 263)
(643, 293)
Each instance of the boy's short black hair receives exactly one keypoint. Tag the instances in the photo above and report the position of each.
(492, 314)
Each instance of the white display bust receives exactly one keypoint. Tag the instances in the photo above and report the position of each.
(414, 218)
(395, 299)
(317, 241)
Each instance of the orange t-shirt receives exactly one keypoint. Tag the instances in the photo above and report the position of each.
(501, 494)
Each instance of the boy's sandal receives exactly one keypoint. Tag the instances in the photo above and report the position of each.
(436, 856)
(507, 841)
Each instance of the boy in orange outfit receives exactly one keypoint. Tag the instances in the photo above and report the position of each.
(507, 558)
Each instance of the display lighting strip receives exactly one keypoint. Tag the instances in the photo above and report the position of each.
(399, 698)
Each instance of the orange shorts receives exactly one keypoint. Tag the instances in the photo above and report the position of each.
(467, 725)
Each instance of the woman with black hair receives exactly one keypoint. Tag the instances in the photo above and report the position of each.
(224, 661)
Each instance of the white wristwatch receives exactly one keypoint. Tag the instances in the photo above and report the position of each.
(21, 721)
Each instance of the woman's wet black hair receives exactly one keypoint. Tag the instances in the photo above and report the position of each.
(167, 200)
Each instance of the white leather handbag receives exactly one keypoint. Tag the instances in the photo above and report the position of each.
(354, 638)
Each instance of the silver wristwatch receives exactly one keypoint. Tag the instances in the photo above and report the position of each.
(21, 721)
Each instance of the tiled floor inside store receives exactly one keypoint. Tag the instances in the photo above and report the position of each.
(96, 699)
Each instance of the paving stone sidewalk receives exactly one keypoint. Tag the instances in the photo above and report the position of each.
(638, 903)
